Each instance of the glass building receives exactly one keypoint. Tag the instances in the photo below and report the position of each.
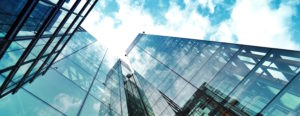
(162, 76)
(180, 76)
(73, 85)
(32, 35)
(71, 73)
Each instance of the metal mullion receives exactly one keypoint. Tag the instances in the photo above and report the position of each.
(232, 58)
(31, 45)
(88, 92)
(281, 90)
(46, 46)
(26, 62)
(11, 67)
(30, 37)
(257, 66)
(62, 38)
(68, 39)
(17, 25)
(265, 57)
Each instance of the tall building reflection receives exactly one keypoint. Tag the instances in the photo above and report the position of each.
(71, 73)
(197, 77)
(32, 35)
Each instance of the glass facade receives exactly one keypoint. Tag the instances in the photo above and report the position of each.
(32, 35)
(180, 76)
(159, 76)
(73, 85)
(42, 43)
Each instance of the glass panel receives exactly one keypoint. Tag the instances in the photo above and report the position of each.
(22, 70)
(24, 43)
(53, 1)
(176, 88)
(187, 60)
(74, 73)
(24, 104)
(203, 55)
(50, 48)
(257, 89)
(34, 52)
(67, 51)
(236, 70)
(14, 46)
(185, 95)
(36, 19)
(67, 24)
(79, 7)
(10, 58)
(2, 78)
(93, 107)
(9, 12)
(78, 59)
(287, 103)
(59, 16)
(214, 64)
(86, 9)
(100, 92)
(160, 105)
(37, 66)
(168, 81)
(75, 25)
(58, 92)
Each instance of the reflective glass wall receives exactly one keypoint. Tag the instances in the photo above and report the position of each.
(183, 76)
(32, 34)
(83, 80)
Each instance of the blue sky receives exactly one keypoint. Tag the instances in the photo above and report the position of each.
(270, 23)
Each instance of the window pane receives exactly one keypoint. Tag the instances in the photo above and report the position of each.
(24, 104)
(287, 103)
(257, 89)
(200, 59)
(236, 70)
(214, 64)
(36, 19)
(74, 73)
(58, 92)
(10, 58)
(93, 107)
(79, 7)
(10, 10)
(55, 22)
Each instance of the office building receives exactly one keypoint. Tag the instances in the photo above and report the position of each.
(181, 76)
(66, 88)
(33, 34)
(72, 73)
(163, 76)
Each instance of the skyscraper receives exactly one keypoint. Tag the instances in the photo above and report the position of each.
(162, 76)
(181, 76)
(33, 34)
(72, 73)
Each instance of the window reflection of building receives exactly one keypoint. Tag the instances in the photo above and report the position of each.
(230, 79)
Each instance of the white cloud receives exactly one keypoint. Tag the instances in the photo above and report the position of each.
(132, 19)
(211, 4)
(65, 102)
(252, 22)
(255, 23)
